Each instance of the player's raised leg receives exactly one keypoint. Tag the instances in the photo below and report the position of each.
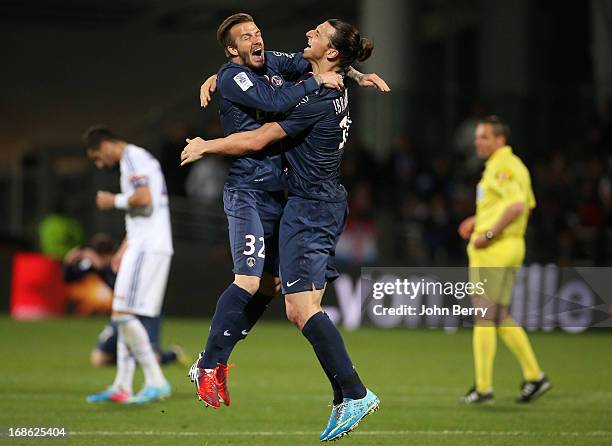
(253, 218)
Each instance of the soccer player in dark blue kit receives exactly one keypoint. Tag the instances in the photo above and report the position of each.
(252, 91)
(315, 213)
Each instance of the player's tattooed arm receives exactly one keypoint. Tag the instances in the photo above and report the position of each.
(235, 144)
(368, 80)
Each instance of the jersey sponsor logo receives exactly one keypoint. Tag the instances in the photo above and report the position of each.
(251, 262)
(243, 81)
(290, 284)
(277, 80)
(281, 54)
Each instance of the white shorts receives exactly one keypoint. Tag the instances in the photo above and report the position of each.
(141, 282)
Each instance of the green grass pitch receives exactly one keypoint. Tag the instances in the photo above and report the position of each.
(280, 396)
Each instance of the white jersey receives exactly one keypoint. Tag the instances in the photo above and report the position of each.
(148, 229)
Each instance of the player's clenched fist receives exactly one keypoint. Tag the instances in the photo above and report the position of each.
(193, 151)
(105, 200)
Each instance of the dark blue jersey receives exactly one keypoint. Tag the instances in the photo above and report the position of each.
(247, 99)
(77, 271)
(317, 129)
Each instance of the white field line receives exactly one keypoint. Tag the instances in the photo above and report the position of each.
(363, 433)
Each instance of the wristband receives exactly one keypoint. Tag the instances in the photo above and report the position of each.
(121, 201)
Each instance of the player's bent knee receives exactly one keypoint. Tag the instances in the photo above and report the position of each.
(300, 307)
(248, 283)
(295, 314)
(98, 358)
(291, 312)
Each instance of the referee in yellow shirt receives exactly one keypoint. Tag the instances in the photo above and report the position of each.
(496, 250)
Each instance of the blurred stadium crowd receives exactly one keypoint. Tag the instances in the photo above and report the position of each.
(405, 209)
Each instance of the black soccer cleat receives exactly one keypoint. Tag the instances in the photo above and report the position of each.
(532, 390)
(473, 397)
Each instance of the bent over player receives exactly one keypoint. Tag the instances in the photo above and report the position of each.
(143, 271)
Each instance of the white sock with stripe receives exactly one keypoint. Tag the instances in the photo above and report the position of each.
(137, 340)
(126, 365)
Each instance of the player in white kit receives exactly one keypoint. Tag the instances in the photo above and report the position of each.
(144, 261)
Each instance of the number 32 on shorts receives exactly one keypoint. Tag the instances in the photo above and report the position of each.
(250, 243)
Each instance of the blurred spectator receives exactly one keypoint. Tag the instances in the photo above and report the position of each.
(174, 142)
(358, 243)
(463, 138)
(403, 165)
(206, 179)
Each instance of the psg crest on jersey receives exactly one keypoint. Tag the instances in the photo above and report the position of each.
(277, 80)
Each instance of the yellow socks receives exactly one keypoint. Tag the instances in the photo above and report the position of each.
(484, 344)
(515, 338)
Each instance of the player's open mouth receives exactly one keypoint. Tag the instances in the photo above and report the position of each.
(257, 54)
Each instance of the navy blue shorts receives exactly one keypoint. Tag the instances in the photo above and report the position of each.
(308, 235)
(107, 340)
(253, 218)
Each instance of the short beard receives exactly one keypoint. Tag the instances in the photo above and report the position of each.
(246, 60)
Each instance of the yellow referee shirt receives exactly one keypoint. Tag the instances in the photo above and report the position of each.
(505, 181)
